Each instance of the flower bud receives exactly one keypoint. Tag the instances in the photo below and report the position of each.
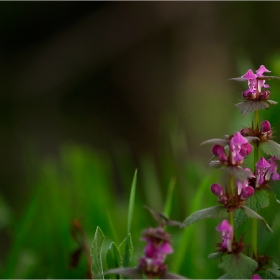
(247, 192)
(244, 132)
(246, 149)
(217, 189)
(265, 126)
(264, 95)
(248, 95)
(256, 276)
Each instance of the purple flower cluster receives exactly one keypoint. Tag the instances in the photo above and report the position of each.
(266, 170)
(239, 148)
(157, 247)
(254, 91)
(227, 233)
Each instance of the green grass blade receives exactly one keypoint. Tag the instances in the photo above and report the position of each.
(126, 260)
(169, 197)
(126, 249)
(131, 202)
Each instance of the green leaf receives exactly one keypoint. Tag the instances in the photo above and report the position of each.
(215, 256)
(113, 258)
(269, 212)
(95, 252)
(239, 218)
(271, 148)
(131, 201)
(238, 266)
(259, 200)
(123, 249)
(270, 273)
(252, 214)
(212, 212)
(127, 257)
(168, 202)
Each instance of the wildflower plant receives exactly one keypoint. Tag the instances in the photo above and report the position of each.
(246, 194)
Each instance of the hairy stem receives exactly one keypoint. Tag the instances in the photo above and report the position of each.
(255, 221)
(231, 190)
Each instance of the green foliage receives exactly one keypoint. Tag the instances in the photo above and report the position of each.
(215, 256)
(263, 201)
(269, 212)
(113, 258)
(252, 214)
(271, 148)
(238, 266)
(271, 272)
(96, 254)
(126, 249)
(212, 212)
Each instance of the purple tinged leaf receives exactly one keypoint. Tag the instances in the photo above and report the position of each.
(238, 172)
(271, 102)
(252, 139)
(172, 276)
(221, 142)
(133, 273)
(247, 107)
(215, 164)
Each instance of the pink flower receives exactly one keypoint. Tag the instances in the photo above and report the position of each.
(239, 148)
(256, 276)
(254, 84)
(157, 247)
(244, 189)
(226, 229)
(220, 152)
(267, 170)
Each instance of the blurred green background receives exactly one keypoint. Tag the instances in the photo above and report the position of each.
(92, 91)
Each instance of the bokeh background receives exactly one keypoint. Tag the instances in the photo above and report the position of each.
(92, 91)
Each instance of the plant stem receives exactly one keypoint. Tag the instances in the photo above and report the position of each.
(255, 221)
(231, 190)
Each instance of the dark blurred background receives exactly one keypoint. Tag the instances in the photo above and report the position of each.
(122, 76)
